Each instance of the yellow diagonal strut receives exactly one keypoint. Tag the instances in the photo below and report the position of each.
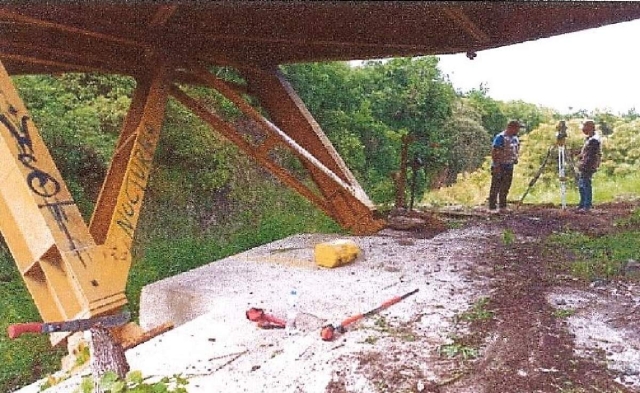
(70, 273)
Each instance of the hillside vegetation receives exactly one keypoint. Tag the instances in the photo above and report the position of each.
(206, 201)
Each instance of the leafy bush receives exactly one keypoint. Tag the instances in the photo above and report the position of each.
(134, 383)
(469, 142)
(79, 117)
(621, 152)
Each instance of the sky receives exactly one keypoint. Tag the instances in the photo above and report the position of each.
(591, 69)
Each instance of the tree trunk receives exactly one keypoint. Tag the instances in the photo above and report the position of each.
(106, 355)
(401, 178)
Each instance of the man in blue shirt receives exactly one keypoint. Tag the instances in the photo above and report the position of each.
(504, 155)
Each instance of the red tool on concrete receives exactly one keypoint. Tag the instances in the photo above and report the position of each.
(76, 325)
(328, 332)
(264, 320)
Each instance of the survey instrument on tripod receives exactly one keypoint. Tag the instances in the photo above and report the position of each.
(560, 145)
(535, 177)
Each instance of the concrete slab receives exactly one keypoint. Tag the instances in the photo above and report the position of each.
(219, 350)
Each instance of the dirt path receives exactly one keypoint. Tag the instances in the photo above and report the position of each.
(527, 346)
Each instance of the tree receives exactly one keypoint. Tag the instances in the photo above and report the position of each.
(411, 97)
(631, 114)
(366, 111)
(529, 114)
(493, 118)
(579, 114)
(605, 120)
(469, 141)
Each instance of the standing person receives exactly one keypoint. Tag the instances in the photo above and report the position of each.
(589, 157)
(504, 155)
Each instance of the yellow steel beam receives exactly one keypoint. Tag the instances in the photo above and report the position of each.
(68, 275)
(40, 222)
(106, 204)
(130, 170)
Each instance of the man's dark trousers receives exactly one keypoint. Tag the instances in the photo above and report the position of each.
(585, 190)
(501, 178)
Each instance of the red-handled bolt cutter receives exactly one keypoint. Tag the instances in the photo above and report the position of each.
(76, 325)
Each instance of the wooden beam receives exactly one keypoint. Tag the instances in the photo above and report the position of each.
(162, 15)
(131, 168)
(460, 18)
(256, 153)
(60, 65)
(106, 203)
(237, 41)
(350, 206)
(66, 59)
(18, 18)
(289, 112)
(245, 107)
(189, 78)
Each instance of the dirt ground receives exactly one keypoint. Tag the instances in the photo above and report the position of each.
(529, 345)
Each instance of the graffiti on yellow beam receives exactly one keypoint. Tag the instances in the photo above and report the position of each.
(136, 180)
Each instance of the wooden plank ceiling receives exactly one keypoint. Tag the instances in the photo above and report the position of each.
(53, 37)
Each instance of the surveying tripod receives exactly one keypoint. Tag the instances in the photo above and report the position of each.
(561, 138)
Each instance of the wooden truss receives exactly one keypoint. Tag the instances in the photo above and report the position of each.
(74, 270)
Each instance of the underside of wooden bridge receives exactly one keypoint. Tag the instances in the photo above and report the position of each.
(75, 269)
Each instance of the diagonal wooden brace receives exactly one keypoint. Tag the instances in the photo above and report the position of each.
(341, 196)
(349, 204)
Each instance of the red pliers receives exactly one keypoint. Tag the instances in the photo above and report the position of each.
(264, 320)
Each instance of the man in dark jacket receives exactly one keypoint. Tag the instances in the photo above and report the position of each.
(504, 155)
(590, 157)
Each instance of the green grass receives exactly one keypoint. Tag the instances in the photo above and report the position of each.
(598, 258)
(508, 237)
(477, 312)
(457, 349)
(606, 189)
(473, 191)
(30, 356)
(564, 313)
(631, 222)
